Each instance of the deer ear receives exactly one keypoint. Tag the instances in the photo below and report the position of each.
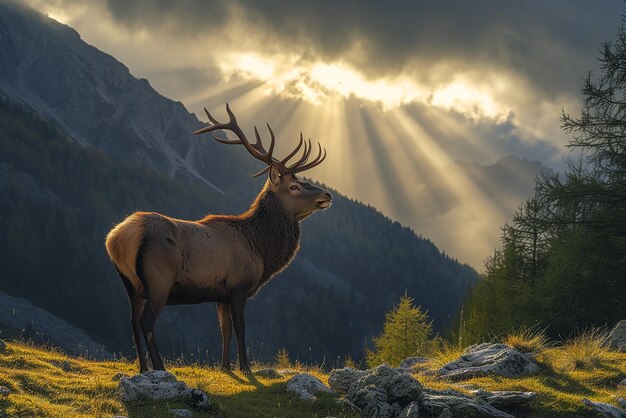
(275, 176)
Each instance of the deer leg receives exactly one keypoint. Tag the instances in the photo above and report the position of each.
(226, 326)
(136, 307)
(147, 320)
(237, 307)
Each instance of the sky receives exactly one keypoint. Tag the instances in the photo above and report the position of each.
(395, 91)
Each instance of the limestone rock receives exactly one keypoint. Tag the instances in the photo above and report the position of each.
(373, 402)
(411, 411)
(341, 379)
(617, 338)
(609, 411)
(197, 398)
(398, 387)
(268, 374)
(288, 372)
(306, 386)
(489, 359)
(184, 413)
(458, 404)
(409, 363)
(505, 399)
(160, 385)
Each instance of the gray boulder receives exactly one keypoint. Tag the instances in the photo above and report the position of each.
(160, 385)
(306, 386)
(184, 413)
(197, 398)
(341, 379)
(398, 387)
(489, 359)
(155, 385)
(609, 411)
(412, 410)
(505, 399)
(378, 392)
(617, 337)
(436, 402)
(373, 402)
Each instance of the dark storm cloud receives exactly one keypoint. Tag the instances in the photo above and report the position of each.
(544, 41)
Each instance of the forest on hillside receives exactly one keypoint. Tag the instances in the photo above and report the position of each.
(562, 263)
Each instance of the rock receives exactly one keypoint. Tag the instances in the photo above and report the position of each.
(458, 404)
(5, 391)
(609, 411)
(118, 376)
(617, 337)
(445, 413)
(66, 366)
(373, 402)
(505, 399)
(622, 384)
(197, 398)
(288, 372)
(344, 403)
(184, 413)
(341, 379)
(622, 402)
(489, 359)
(398, 387)
(378, 392)
(306, 386)
(268, 374)
(411, 411)
(160, 385)
(409, 363)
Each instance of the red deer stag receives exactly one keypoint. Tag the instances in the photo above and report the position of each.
(220, 258)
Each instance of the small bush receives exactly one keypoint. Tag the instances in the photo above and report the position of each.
(527, 339)
(282, 359)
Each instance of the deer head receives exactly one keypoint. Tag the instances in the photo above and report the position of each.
(298, 197)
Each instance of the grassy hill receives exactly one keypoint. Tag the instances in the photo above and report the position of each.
(46, 383)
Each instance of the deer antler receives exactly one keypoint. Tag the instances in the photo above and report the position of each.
(258, 151)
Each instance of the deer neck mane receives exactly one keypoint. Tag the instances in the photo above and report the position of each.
(273, 233)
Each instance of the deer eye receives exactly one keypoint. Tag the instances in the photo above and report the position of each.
(294, 187)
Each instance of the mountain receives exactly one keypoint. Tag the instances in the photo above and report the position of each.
(510, 178)
(83, 144)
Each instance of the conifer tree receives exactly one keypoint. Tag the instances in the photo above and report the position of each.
(405, 333)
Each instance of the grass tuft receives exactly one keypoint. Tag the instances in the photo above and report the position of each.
(585, 352)
(527, 339)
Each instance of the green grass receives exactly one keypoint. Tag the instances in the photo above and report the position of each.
(42, 389)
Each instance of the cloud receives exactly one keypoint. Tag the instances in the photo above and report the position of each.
(427, 39)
